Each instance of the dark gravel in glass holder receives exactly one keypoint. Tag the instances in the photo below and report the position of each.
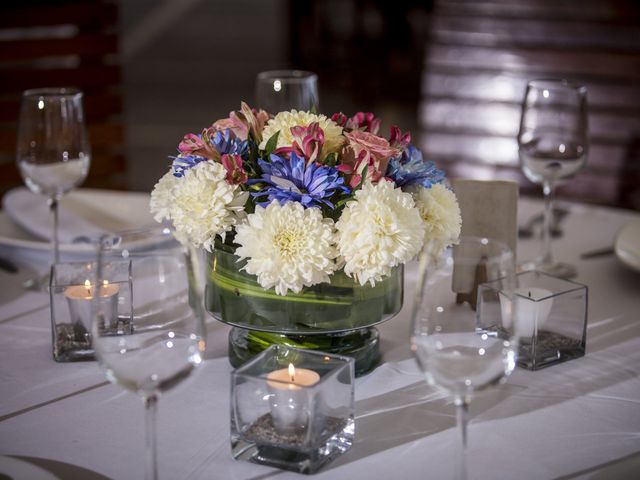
(73, 342)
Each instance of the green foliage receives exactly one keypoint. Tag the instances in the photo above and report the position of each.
(251, 163)
(228, 245)
(340, 204)
(331, 160)
(362, 180)
(271, 145)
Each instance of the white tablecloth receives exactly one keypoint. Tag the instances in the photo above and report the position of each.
(579, 419)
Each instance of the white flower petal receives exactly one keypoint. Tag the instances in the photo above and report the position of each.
(288, 247)
(162, 197)
(201, 204)
(283, 121)
(440, 212)
(378, 231)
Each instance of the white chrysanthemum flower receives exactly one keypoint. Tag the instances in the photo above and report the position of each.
(283, 121)
(162, 197)
(288, 247)
(440, 212)
(381, 229)
(201, 204)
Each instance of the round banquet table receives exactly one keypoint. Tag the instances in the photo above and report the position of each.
(579, 419)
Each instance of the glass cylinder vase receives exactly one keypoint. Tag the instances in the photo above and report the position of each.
(335, 317)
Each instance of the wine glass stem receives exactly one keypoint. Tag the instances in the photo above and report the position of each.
(423, 261)
(55, 247)
(546, 258)
(151, 410)
(462, 414)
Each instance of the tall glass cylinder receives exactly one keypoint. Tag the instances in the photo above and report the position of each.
(279, 90)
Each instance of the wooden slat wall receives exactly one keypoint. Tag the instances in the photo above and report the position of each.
(69, 43)
(479, 58)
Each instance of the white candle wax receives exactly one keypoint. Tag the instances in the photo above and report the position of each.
(86, 291)
(288, 397)
(79, 298)
(531, 309)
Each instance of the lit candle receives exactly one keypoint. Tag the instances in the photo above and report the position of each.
(289, 397)
(531, 308)
(79, 298)
(84, 292)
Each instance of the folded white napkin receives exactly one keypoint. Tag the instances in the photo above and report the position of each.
(31, 212)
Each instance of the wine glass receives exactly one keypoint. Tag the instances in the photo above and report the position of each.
(158, 343)
(52, 153)
(455, 353)
(280, 90)
(552, 145)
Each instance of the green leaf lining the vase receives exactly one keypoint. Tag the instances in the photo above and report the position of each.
(263, 340)
(228, 274)
(235, 297)
(239, 286)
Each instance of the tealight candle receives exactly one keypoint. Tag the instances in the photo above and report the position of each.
(531, 308)
(86, 291)
(289, 407)
(79, 298)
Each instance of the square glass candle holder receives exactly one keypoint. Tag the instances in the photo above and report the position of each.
(548, 315)
(71, 294)
(292, 409)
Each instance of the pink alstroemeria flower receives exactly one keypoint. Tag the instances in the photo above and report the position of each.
(245, 123)
(363, 121)
(365, 150)
(255, 120)
(235, 171)
(339, 118)
(235, 126)
(192, 144)
(398, 139)
(307, 142)
(353, 169)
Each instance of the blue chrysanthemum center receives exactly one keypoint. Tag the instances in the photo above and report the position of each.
(294, 180)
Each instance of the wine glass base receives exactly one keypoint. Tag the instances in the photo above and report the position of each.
(559, 270)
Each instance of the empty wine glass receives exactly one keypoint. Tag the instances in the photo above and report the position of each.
(553, 145)
(456, 355)
(280, 90)
(158, 343)
(52, 153)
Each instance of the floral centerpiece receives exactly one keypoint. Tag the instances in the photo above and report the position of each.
(298, 200)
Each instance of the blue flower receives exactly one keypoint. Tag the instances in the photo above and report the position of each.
(311, 185)
(227, 142)
(182, 163)
(410, 169)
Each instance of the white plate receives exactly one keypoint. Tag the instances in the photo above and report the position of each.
(107, 210)
(627, 246)
(19, 469)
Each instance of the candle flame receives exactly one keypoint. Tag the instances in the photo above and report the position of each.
(292, 372)
(87, 285)
(105, 283)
